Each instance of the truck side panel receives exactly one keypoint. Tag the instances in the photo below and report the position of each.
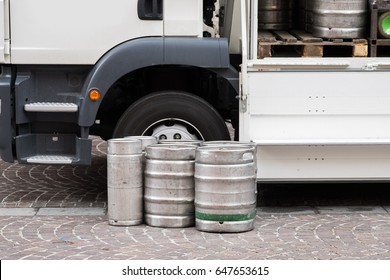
(320, 125)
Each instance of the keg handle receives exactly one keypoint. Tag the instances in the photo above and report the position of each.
(248, 156)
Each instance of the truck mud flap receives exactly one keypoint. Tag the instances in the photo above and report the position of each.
(5, 116)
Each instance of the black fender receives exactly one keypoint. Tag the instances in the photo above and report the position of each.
(209, 53)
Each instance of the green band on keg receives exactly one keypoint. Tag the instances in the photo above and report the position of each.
(226, 218)
(385, 26)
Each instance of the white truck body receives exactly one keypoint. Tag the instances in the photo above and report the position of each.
(315, 119)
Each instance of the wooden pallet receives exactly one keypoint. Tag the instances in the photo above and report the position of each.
(302, 44)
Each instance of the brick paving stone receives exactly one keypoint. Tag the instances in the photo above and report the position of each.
(276, 236)
(288, 210)
(70, 211)
(351, 209)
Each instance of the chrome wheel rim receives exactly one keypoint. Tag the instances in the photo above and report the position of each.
(173, 129)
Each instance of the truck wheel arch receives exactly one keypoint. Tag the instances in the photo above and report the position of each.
(129, 56)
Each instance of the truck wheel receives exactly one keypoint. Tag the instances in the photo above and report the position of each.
(172, 115)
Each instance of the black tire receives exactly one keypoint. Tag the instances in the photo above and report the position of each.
(199, 116)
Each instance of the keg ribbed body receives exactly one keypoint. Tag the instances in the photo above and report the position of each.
(169, 185)
(276, 14)
(338, 18)
(124, 182)
(225, 188)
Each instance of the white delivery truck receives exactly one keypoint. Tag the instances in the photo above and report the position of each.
(74, 68)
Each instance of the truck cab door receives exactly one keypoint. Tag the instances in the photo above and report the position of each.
(179, 17)
(81, 32)
(78, 32)
(183, 18)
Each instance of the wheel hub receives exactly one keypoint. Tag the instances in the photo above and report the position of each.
(173, 129)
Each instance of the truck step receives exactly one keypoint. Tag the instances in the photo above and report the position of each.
(53, 148)
(51, 107)
(50, 159)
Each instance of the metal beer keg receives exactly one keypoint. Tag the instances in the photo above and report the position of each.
(339, 18)
(276, 14)
(124, 182)
(225, 188)
(169, 185)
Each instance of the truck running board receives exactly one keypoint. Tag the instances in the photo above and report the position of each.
(51, 107)
(53, 149)
(50, 159)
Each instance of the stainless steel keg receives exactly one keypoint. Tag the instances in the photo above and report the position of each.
(225, 188)
(276, 14)
(124, 182)
(345, 19)
(169, 185)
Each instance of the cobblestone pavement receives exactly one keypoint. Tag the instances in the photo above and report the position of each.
(277, 236)
(58, 212)
(56, 186)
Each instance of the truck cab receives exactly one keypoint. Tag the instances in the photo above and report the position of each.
(71, 69)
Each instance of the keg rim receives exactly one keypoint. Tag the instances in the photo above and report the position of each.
(133, 146)
(171, 151)
(117, 140)
(227, 148)
(181, 142)
(173, 146)
(227, 143)
(141, 137)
